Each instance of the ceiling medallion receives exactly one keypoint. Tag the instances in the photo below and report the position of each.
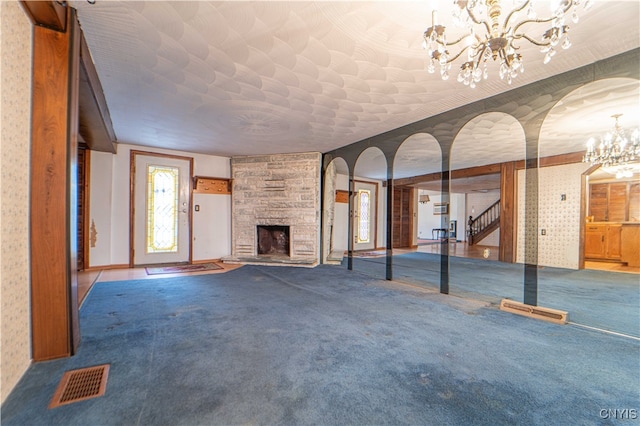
(617, 154)
(495, 37)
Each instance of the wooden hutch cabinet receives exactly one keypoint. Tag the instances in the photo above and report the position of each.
(614, 222)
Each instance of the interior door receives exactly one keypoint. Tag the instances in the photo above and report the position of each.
(402, 214)
(364, 216)
(161, 213)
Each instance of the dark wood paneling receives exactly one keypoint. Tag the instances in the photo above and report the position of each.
(612, 202)
(55, 327)
(95, 120)
(598, 199)
(508, 213)
(617, 202)
(402, 213)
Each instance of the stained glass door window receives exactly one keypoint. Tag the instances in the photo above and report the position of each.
(162, 211)
(364, 216)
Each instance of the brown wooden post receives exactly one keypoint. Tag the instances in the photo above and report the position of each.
(54, 143)
(508, 229)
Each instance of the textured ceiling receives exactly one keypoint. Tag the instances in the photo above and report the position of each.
(237, 78)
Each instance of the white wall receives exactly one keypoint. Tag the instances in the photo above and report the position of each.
(560, 247)
(211, 225)
(427, 221)
(15, 116)
(458, 213)
(100, 205)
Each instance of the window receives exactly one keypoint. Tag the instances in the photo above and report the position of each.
(364, 216)
(162, 209)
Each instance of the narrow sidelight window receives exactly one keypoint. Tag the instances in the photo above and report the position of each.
(364, 216)
(162, 209)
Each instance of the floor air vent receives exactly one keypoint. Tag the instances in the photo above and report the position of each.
(547, 314)
(78, 385)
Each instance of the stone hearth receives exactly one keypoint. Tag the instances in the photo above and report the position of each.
(275, 192)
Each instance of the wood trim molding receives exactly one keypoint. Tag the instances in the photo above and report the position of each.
(489, 169)
(554, 160)
(47, 14)
(508, 213)
(54, 286)
(95, 120)
(584, 188)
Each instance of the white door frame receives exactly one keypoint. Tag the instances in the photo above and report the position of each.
(132, 193)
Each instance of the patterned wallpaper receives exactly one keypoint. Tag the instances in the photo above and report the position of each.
(15, 107)
(560, 219)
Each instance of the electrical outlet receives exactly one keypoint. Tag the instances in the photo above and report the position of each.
(563, 197)
(543, 232)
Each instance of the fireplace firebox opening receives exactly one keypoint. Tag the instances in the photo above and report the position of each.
(273, 240)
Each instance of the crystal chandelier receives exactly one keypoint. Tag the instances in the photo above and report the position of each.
(617, 153)
(496, 37)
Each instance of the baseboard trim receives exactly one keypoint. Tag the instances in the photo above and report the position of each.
(105, 267)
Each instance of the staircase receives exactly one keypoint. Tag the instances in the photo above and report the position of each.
(483, 225)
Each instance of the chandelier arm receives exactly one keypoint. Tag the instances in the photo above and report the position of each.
(513, 12)
(458, 40)
(528, 21)
(458, 55)
(481, 55)
(476, 21)
(531, 40)
(538, 21)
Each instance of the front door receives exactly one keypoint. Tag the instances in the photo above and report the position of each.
(161, 213)
(364, 216)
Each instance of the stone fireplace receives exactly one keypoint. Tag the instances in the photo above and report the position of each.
(275, 203)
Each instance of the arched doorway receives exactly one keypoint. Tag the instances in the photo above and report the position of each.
(583, 269)
(369, 206)
(482, 186)
(335, 216)
(417, 240)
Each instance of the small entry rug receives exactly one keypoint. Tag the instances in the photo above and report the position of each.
(182, 268)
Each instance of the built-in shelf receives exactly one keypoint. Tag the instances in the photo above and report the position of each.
(211, 185)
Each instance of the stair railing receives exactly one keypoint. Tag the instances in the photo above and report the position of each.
(483, 221)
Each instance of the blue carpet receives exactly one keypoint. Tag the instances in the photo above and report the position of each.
(606, 300)
(327, 346)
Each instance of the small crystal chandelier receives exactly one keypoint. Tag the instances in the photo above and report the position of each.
(617, 154)
(495, 38)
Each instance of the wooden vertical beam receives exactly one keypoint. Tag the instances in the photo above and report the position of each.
(507, 252)
(54, 307)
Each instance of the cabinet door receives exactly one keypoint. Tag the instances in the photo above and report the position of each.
(617, 202)
(594, 242)
(634, 202)
(598, 199)
(614, 241)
